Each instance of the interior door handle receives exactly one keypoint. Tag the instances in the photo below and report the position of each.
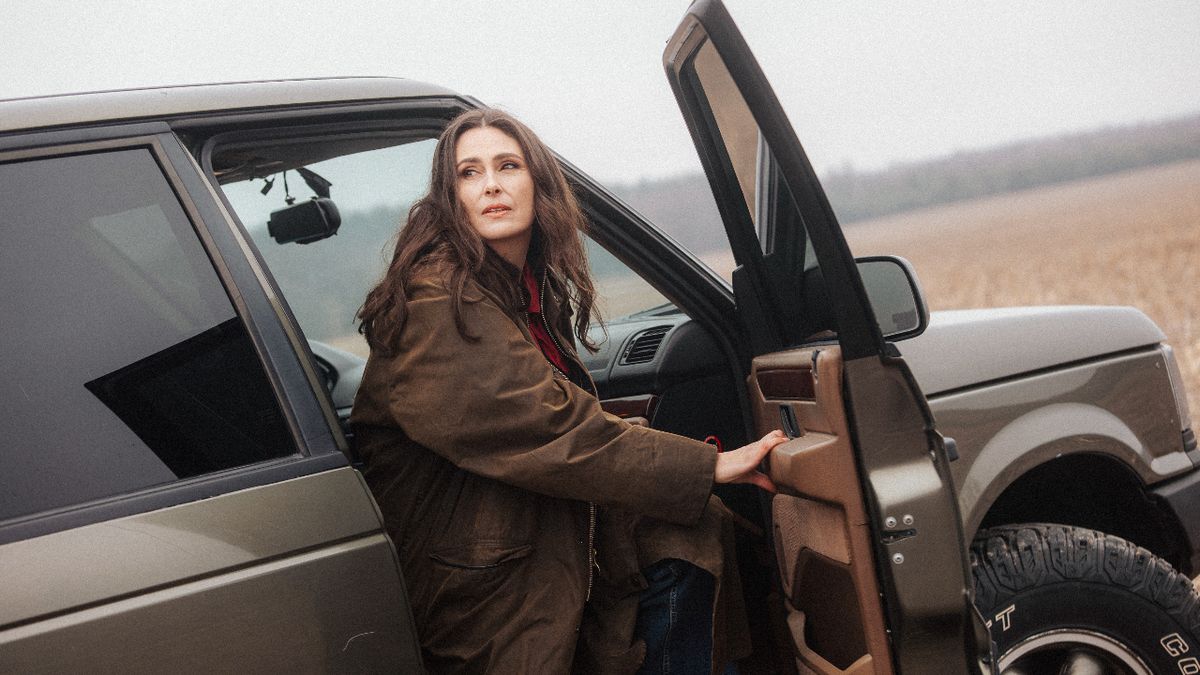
(787, 420)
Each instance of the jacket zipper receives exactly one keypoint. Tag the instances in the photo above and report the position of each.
(591, 544)
(593, 563)
(557, 371)
(546, 323)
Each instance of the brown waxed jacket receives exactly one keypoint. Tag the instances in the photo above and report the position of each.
(486, 467)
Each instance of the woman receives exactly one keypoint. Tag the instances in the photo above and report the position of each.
(514, 501)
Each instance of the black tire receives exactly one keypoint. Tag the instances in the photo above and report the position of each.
(1062, 599)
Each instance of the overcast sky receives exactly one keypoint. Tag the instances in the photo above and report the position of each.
(865, 83)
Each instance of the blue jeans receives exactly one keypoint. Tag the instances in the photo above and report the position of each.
(675, 619)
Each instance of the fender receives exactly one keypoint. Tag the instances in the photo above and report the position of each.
(1044, 434)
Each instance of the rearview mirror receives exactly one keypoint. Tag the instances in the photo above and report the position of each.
(895, 296)
(305, 222)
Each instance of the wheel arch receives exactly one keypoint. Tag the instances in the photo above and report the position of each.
(1095, 491)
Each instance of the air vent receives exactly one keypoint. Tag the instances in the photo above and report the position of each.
(644, 345)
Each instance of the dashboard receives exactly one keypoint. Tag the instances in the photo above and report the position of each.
(651, 354)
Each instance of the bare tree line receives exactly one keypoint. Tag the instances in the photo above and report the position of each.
(683, 205)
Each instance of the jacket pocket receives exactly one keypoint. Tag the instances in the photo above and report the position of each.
(481, 555)
(473, 587)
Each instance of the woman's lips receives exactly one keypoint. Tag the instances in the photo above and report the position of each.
(496, 210)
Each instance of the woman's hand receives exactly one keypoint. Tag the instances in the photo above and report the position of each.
(741, 465)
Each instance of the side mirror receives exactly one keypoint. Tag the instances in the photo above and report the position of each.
(305, 222)
(895, 296)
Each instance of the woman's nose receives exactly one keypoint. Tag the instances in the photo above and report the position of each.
(491, 186)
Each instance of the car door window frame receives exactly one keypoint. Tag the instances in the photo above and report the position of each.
(857, 332)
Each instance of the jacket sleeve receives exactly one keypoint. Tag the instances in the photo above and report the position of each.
(494, 408)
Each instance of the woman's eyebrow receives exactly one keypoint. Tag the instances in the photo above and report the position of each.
(503, 155)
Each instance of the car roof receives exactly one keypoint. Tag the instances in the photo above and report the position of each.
(20, 114)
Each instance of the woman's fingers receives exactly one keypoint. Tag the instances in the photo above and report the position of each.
(768, 443)
(762, 448)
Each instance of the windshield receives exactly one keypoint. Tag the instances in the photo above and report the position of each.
(326, 281)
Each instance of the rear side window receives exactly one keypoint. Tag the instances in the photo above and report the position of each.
(124, 364)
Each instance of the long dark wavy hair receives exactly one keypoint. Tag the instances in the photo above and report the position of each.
(438, 233)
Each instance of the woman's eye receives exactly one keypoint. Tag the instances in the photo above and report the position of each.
(467, 173)
(510, 165)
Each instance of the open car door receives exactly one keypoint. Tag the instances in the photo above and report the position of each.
(867, 534)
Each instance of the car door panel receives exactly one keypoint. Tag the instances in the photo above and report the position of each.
(868, 506)
(266, 624)
(274, 576)
(821, 528)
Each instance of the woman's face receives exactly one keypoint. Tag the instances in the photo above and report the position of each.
(495, 188)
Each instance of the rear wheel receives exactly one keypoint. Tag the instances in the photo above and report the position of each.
(1062, 599)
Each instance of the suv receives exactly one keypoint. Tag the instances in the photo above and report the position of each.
(178, 483)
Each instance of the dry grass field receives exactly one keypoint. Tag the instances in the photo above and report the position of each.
(1125, 239)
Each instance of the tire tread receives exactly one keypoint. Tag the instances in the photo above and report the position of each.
(1007, 560)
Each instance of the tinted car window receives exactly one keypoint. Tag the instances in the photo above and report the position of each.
(124, 364)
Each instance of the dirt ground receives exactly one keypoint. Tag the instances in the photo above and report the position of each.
(1125, 239)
